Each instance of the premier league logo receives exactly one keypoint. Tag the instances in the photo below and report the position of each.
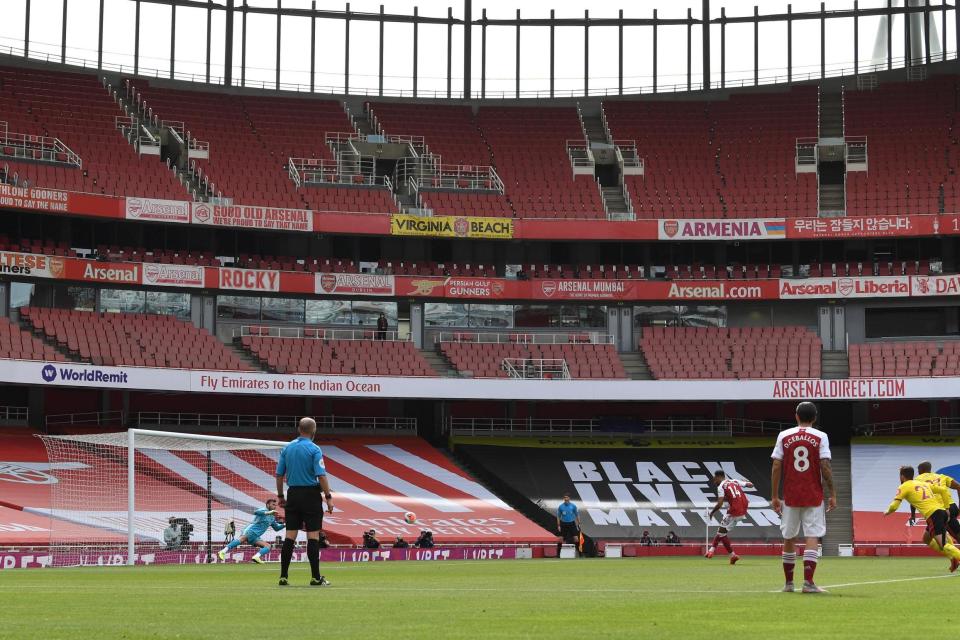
(49, 373)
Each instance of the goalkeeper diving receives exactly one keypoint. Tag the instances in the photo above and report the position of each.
(263, 519)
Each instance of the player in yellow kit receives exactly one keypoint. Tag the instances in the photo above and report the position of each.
(925, 498)
(925, 471)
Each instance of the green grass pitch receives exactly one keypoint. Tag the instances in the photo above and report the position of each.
(684, 598)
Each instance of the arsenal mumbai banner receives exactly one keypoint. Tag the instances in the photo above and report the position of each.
(250, 217)
(172, 275)
(624, 492)
(748, 229)
(868, 287)
(875, 464)
(153, 210)
(31, 265)
(364, 284)
(451, 226)
(863, 227)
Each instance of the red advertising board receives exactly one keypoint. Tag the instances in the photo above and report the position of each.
(153, 210)
(107, 272)
(250, 217)
(863, 227)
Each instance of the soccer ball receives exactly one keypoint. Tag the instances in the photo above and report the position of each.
(409, 517)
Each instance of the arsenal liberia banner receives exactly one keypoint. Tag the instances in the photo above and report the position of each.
(655, 485)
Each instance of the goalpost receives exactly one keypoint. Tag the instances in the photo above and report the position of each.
(118, 493)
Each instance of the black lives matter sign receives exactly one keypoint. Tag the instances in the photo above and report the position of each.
(623, 492)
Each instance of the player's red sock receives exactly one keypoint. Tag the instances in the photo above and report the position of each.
(726, 544)
(810, 558)
(789, 560)
(716, 541)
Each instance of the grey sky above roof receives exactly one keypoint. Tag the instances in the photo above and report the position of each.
(46, 27)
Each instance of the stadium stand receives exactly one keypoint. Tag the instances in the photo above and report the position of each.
(131, 339)
(719, 159)
(484, 360)
(451, 132)
(731, 353)
(76, 109)
(904, 359)
(450, 203)
(313, 353)
(19, 344)
(252, 138)
(912, 148)
(529, 151)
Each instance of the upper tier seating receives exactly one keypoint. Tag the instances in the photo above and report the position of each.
(314, 354)
(719, 159)
(710, 352)
(21, 345)
(251, 140)
(449, 131)
(904, 359)
(530, 154)
(911, 147)
(485, 359)
(76, 109)
(132, 339)
(452, 203)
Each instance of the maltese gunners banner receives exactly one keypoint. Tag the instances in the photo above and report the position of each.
(644, 484)
(874, 466)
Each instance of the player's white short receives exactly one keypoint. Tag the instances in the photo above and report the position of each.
(728, 521)
(812, 519)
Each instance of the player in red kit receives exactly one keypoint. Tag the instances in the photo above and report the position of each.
(730, 493)
(801, 459)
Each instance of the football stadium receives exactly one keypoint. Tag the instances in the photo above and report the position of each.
(469, 319)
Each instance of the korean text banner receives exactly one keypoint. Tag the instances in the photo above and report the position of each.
(451, 226)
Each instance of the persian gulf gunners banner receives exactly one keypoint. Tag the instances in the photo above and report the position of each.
(874, 466)
(451, 226)
(645, 484)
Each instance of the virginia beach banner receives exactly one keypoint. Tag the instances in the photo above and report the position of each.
(623, 492)
(451, 226)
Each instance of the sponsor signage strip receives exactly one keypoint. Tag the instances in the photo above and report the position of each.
(451, 226)
(283, 219)
(256, 383)
(361, 284)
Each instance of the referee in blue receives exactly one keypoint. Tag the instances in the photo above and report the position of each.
(301, 464)
(568, 520)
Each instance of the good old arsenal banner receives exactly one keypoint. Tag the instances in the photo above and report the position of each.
(246, 216)
(647, 485)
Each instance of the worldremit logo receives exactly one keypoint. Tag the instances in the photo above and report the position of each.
(68, 374)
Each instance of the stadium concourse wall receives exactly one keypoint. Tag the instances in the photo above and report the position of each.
(765, 226)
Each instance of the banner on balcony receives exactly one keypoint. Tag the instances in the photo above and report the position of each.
(153, 210)
(752, 229)
(451, 226)
(250, 217)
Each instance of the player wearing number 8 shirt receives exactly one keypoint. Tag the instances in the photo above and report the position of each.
(801, 458)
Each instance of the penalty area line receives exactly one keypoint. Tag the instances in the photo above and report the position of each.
(891, 581)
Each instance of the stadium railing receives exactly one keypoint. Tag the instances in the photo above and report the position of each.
(14, 415)
(599, 427)
(315, 333)
(274, 424)
(87, 419)
(921, 426)
(570, 337)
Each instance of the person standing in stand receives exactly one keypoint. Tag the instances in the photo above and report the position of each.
(801, 459)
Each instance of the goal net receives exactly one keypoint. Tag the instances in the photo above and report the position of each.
(152, 496)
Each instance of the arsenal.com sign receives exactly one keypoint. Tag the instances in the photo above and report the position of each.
(353, 284)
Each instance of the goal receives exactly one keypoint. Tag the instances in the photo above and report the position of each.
(117, 495)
